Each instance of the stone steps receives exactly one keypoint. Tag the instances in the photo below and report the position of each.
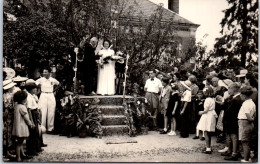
(111, 109)
(113, 120)
(109, 130)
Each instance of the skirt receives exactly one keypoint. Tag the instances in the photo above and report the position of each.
(207, 123)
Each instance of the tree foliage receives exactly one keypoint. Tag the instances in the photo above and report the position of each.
(239, 30)
(49, 30)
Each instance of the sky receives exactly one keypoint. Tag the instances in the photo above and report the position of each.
(207, 13)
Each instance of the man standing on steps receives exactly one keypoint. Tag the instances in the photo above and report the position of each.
(153, 87)
(87, 64)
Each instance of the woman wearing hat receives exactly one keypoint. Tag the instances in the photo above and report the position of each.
(20, 81)
(8, 116)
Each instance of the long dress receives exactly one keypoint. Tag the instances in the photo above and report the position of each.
(106, 74)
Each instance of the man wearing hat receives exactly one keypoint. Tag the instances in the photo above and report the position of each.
(47, 102)
(153, 87)
(242, 75)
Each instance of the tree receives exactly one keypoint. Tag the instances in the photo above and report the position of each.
(49, 30)
(239, 30)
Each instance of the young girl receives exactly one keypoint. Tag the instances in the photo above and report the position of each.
(164, 100)
(21, 123)
(173, 108)
(207, 121)
(246, 116)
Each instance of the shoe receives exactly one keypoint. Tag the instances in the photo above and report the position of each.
(207, 152)
(202, 138)
(26, 157)
(41, 150)
(231, 158)
(44, 145)
(226, 154)
(49, 132)
(223, 150)
(195, 137)
(172, 133)
(163, 132)
(244, 161)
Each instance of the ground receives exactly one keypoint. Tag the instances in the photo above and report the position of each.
(153, 147)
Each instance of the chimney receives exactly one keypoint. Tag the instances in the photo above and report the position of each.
(173, 5)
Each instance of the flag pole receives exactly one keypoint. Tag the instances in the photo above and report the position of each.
(76, 50)
(126, 68)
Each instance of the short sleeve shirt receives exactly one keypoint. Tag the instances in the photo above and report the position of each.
(32, 101)
(186, 96)
(47, 84)
(248, 106)
(153, 85)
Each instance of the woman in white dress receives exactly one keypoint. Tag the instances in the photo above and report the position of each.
(106, 70)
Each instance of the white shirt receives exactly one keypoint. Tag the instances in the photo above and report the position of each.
(248, 106)
(32, 101)
(186, 96)
(47, 84)
(153, 85)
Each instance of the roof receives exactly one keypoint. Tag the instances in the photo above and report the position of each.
(147, 8)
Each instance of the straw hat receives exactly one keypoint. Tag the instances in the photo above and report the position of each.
(225, 83)
(19, 79)
(9, 72)
(186, 84)
(243, 73)
(7, 84)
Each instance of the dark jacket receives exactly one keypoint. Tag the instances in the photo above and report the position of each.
(230, 121)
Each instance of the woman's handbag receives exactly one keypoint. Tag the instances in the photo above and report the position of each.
(219, 125)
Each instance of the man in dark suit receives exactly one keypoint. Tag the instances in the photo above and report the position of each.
(91, 66)
(230, 121)
(87, 66)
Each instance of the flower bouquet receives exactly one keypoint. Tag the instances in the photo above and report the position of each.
(106, 59)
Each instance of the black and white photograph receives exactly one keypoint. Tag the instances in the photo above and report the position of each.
(130, 81)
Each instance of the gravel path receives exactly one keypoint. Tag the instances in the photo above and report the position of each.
(153, 147)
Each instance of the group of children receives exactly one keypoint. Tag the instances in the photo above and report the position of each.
(22, 119)
(187, 101)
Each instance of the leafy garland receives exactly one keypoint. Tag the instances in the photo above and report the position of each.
(138, 118)
(80, 119)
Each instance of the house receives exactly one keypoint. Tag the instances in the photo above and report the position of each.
(185, 30)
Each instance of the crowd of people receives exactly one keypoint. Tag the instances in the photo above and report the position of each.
(221, 104)
(25, 117)
(215, 103)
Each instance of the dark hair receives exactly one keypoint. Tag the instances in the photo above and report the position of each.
(20, 96)
(246, 90)
(166, 80)
(46, 68)
(30, 86)
(208, 92)
(175, 86)
(178, 75)
(106, 40)
(252, 80)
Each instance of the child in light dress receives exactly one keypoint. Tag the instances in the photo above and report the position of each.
(21, 123)
(207, 121)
